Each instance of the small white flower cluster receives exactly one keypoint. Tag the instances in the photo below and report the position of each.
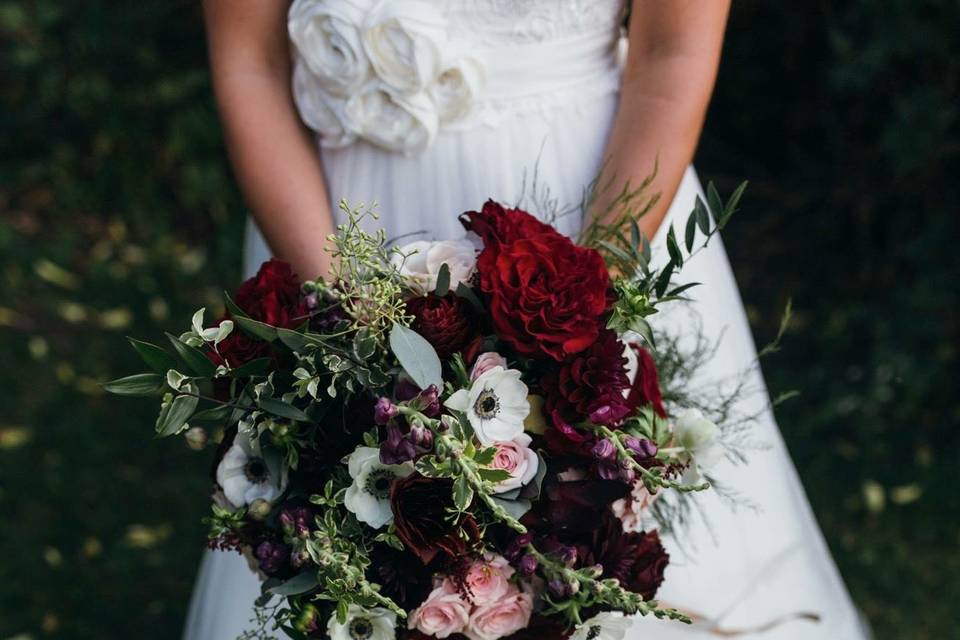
(381, 71)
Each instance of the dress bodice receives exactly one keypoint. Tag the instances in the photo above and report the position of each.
(395, 73)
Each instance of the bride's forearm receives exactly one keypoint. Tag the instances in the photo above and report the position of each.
(274, 157)
(669, 76)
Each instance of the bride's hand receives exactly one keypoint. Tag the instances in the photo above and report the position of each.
(273, 155)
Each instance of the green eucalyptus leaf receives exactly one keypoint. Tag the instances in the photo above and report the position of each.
(154, 357)
(141, 384)
(417, 356)
(195, 359)
(443, 281)
(468, 294)
(297, 585)
(676, 257)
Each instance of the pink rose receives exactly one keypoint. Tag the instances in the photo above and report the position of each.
(442, 614)
(488, 579)
(485, 362)
(632, 510)
(518, 459)
(501, 618)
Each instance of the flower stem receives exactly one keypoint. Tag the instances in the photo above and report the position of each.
(653, 478)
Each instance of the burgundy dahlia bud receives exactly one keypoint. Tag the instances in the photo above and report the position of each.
(604, 450)
(528, 565)
(308, 620)
(384, 411)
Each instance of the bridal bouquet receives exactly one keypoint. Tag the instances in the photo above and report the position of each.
(460, 438)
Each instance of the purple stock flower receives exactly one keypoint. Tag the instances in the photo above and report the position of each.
(643, 448)
(397, 448)
(604, 450)
(384, 411)
(528, 565)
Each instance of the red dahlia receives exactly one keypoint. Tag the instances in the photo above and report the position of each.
(448, 323)
(588, 386)
(548, 297)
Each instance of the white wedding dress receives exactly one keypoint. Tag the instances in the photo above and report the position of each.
(430, 107)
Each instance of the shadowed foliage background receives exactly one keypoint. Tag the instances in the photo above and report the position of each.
(119, 216)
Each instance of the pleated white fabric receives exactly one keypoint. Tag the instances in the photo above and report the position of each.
(749, 566)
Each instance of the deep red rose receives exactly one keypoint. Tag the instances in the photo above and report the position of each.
(547, 295)
(588, 386)
(646, 386)
(572, 507)
(420, 507)
(273, 297)
(637, 560)
(448, 323)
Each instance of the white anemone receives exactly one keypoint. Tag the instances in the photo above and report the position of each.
(368, 497)
(364, 624)
(244, 475)
(608, 625)
(700, 439)
(496, 405)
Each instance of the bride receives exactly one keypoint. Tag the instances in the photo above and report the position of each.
(432, 106)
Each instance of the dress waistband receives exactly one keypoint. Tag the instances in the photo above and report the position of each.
(397, 80)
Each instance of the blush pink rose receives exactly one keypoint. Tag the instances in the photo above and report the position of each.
(633, 509)
(518, 459)
(486, 361)
(488, 579)
(442, 614)
(499, 619)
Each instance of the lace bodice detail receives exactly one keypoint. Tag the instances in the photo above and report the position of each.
(395, 73)
(506, 22)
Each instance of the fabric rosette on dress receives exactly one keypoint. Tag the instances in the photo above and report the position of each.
(382, 71)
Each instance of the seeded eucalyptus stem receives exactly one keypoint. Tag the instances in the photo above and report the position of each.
(653, 478)
(453, 449)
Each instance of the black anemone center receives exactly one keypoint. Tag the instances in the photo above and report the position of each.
(487, 404)
(378, 483)
(256, 470)
(593, 632)
(361, 629)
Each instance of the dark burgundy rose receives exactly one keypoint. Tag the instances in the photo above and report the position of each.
(547, 295)
(588, 386)
(637, 560)
(273, 297)
(572, 507)
(401, 576)
(448, 323)
(420, 506)
(542, 628)
(646, 386)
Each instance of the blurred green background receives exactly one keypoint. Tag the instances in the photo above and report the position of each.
(120, 216)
